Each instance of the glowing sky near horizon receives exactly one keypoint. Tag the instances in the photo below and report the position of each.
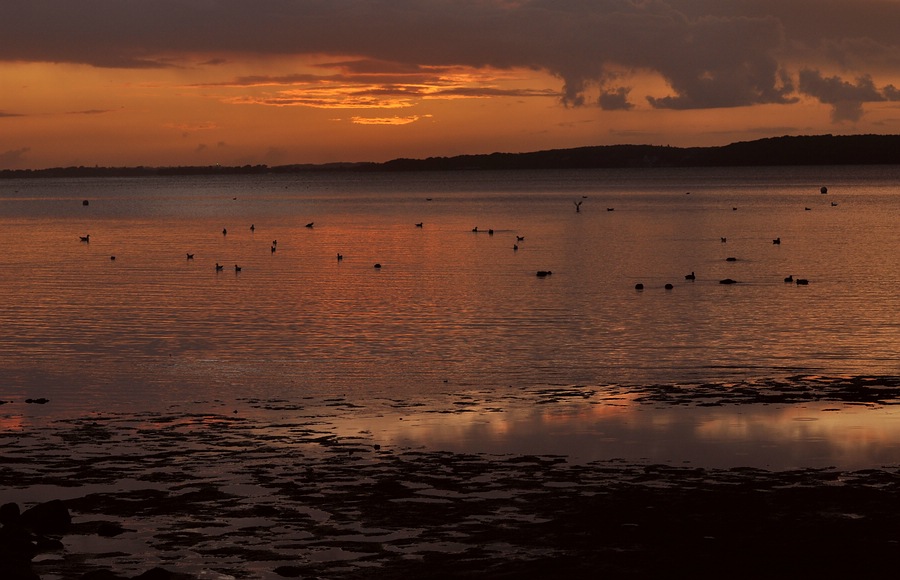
(198, 82)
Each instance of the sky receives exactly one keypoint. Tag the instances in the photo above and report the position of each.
(236, 82)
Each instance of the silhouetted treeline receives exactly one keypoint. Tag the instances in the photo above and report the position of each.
(800, 150)
(810, 150)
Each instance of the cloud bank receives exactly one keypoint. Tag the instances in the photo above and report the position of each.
(710, 53)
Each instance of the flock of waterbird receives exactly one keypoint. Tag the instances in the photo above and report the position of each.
(692, 276)
(237, 268)
(540, 273)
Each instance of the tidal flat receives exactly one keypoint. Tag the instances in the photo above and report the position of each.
(274, 489)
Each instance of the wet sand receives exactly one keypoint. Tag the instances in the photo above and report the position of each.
(229, 495)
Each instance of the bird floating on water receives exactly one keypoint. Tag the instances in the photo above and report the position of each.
(237, 268)
(690, 276)
(638, 286)
(823, 189)
(86, 238)
(190, 256)
(340, 257)
(776, 241)
(790, 278)
(224, 231)
(252, 228)
(578, 206)
(419, 225)
(310, 224)
(543, 273)
(669, 286)
(802, 282)
(219, 267)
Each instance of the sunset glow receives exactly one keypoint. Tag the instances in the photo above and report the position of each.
(185, 83)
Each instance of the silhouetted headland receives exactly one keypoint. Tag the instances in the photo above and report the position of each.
(786, 150)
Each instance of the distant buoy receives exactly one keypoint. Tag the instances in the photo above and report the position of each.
(85, 202)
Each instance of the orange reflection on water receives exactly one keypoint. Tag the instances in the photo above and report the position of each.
(12, 423)
(772, 437)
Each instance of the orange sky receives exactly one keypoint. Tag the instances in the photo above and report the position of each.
(181, 82)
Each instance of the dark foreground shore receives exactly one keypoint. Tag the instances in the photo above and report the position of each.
(218, 496)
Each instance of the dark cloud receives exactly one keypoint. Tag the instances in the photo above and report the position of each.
(13, 157)
(615, 100)
(845, 98)
(711, 53)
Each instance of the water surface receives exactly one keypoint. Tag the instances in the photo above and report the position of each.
(452, 310)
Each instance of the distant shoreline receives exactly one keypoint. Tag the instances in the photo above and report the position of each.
(814, 150)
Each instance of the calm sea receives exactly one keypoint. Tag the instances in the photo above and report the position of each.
(451, 311)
